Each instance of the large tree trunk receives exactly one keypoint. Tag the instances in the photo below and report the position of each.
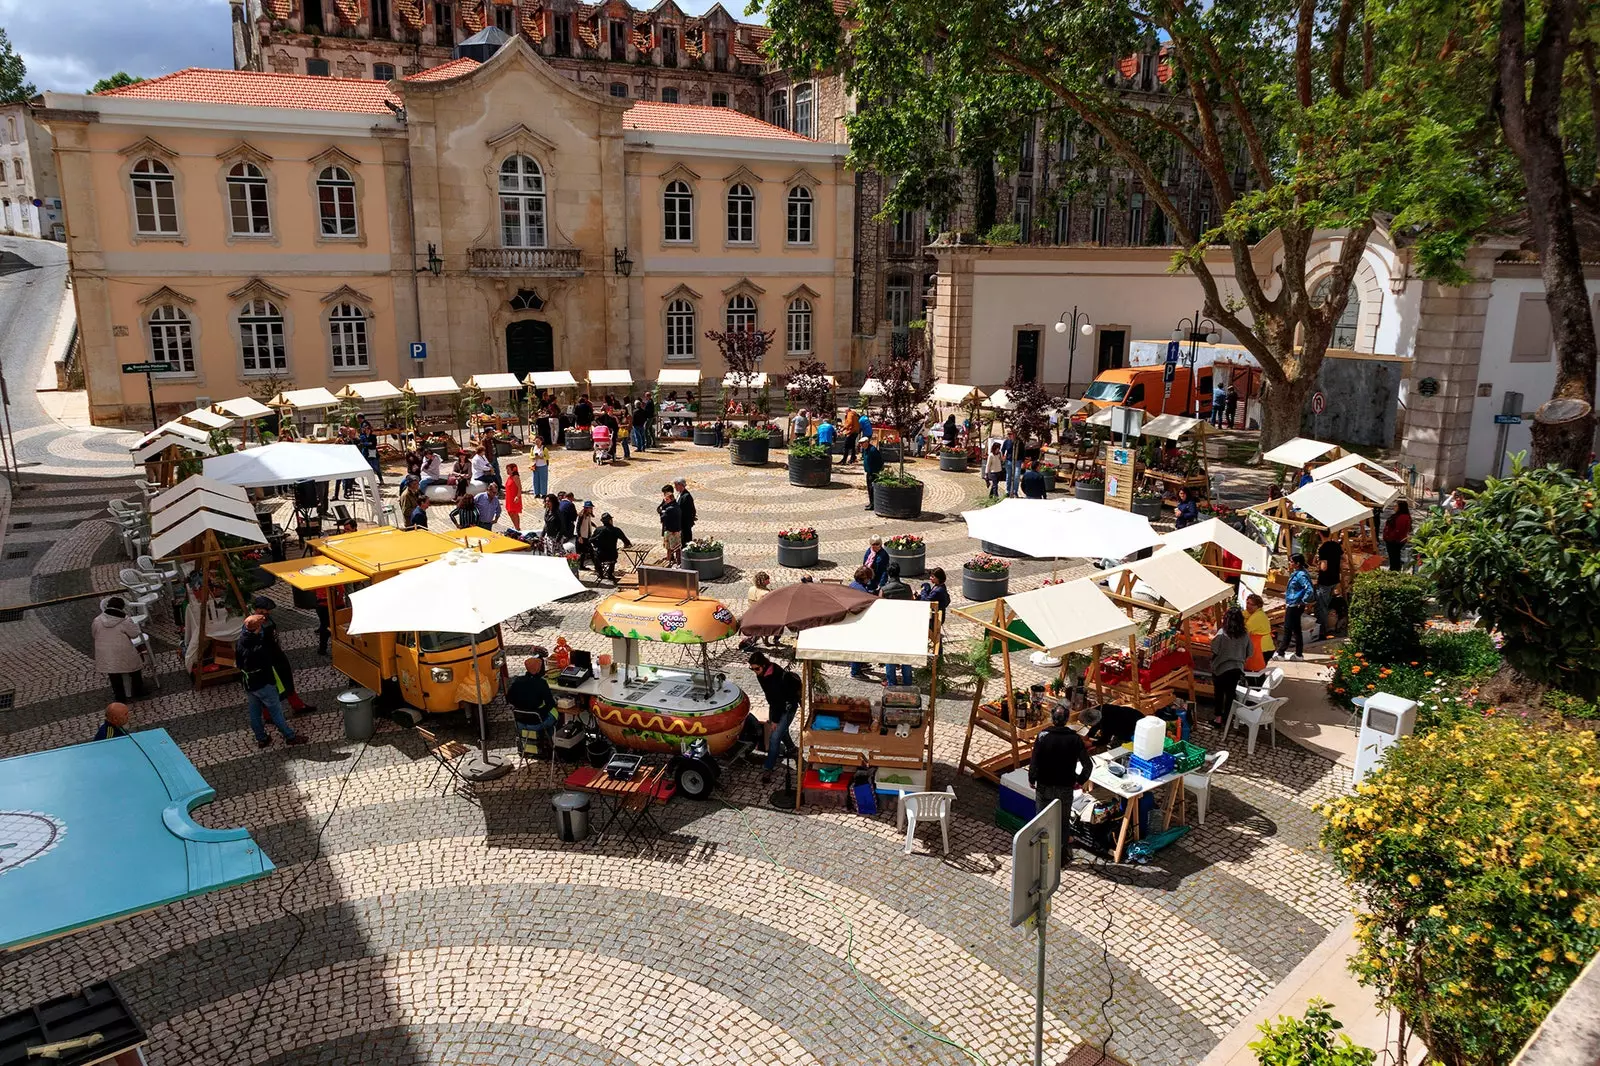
(1282, 406)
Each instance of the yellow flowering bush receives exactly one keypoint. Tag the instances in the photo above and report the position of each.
(1475, 849)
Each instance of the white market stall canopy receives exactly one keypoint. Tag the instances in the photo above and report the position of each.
(1061, 529)
(949, 392)
(431, 386)
(741, 381)
(610, 377)
(1353, 461)
(1374, 492)
(1071, 616)
(172, 429)
(234, 505)
(1102, 417)
(1175, 580)
(368, 391)
(872, 387)
(889, 631)
(494, 382)
(243, 407)
(163, 545)
(305, 399)
(156, 446)
(678, 377)
(176, 519)
(794, 386)
(1169, 427)
(167, 497)
(1298, 452)
(1323, 503)
(551, 379)
(1000, 400)
(287, 462)
(1253, 557)
(206, 419)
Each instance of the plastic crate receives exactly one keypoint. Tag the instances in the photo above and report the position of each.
(1008, 821)
(1186, 756)
(1151, 769)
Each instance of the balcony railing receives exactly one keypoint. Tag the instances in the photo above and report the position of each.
(528, 260)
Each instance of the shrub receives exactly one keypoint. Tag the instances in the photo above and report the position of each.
(807, 449)
(1524, 554)
(1439, 678)
(1003, 233)
(1567, 705)
(895, 480)
(753, 433)
(1471, 849)
(1387, 612)
(1313, 1040)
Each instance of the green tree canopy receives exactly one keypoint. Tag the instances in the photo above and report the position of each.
(1320, 115)
(14, 85)
(116, 81)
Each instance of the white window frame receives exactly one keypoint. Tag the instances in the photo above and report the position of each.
(170, 331)
(523, 217)
(262, 330)
(156, 184)
(348, 340)
(798, 334)
(1063, 232)
(1136, 219)
(333, 180)
(1097, 220)
(803, 108)
(1349, 322)
(248, 196)
(741, 313)
(897, 300)
(800, 216)
(778, 107)
(677, 213)
(741, 214)
(680, 332)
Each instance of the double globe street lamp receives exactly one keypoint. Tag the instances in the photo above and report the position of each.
(1068, 323)
(1194, 327)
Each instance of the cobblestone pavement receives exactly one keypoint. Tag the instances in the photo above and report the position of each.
(422, 928)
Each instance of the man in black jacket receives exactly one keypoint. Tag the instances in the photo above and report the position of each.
(671, 526)
(604, 546)
(1060, 766)
(872, 466)
(782, 690)
(280, 658)
(253, 655)
(686, 509)
(531, 694)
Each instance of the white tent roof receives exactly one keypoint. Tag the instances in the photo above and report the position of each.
(431, 386)
(738, 381)
(871, 387)
(1071, 616)
(678, 377)
(1376, 493)
(1299, 451)
(1181, 583)
(610, 377)
(286, 462)
(243, 407)
(1253, 557)
(1102, 417)
(1000, 399)
(1352, 461)
(494, 382)
(154, 447)
(551, 379)
(1327, 506)
(168, 543)
(172, 429)
(889, 631)
(305, 399)
(1168, 427)
(369, 390)
(235, 506)
(794, 385)
(195, 482)
(950, 392)
(206, 419)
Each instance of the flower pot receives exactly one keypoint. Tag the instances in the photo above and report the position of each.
(750, 452)
(890, 453)
(706, 438)
(502, 447)
(956, 464)
(982, 586)
(1004, 553)
(811, 473)
(897, 501)
(1150, 508)
(579, 441)
(1049, 480)
(441, 448)
(776, 438)
(1093, 495)
(707, 564)
(913, 562)
(798, 554)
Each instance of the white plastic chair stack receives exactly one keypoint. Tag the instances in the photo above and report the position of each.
(1198, 784)
(1260, 686)
(917, 807)
(1253, 716)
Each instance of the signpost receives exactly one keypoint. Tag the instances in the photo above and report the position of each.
(1035, 876)
(419, 349)
(1319, 402)
(149, 370)
(1510, 415)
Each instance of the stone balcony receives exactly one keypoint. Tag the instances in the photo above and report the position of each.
(524, 262)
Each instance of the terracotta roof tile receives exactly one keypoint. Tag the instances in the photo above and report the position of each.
(278, 9)
(444, 71)
(411, 13)
(695, 118)
(533, 22)
(349, 11)
(587, 20)
(250, 88)
(473, 16)
(746, 54)
(643, 32)
(694, 42)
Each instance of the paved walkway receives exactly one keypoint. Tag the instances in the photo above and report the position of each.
(422, 928)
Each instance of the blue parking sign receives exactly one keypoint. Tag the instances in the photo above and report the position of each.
(419, 349)
(1172, 352)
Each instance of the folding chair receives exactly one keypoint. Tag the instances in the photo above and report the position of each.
(448, 754)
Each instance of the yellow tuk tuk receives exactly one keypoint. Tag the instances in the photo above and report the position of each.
(432, 672)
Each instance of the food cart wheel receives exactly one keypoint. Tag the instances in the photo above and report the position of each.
(696, 777)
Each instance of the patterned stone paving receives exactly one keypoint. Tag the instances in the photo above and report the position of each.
(422, 928)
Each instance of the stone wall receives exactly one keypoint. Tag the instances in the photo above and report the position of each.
(1362, 401)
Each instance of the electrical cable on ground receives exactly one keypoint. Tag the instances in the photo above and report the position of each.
(1104, 903)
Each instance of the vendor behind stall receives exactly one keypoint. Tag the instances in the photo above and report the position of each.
(1060, 765)
(782, 690)
(531, 694)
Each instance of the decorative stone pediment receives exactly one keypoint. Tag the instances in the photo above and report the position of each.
(334, 156)
(744, 286)
(667, 11)
(256, 289)
(679, 172)
(148, 146)
(802, 177)
(164, 295)
(802, 290)
(718, 18)
(520, 136)
(744, 175)
(345, 294)
(244, 151)
(682, 292)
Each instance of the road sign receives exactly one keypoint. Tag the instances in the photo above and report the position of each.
(1035, 876)
(1167, 373)
(1508, 420)
(1172, 352)
(419, 349)
(148, 368)
(1319, 403)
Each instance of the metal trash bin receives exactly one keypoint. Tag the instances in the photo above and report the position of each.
(357, 706)
(572, 816)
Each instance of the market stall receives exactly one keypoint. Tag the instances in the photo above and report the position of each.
(247, 410)
(1311, 512)
(1298, 453)
(203, 418)
(508, 384)
(1224, 551)
(611, 379)
(1358, 462)
(1059, 529)
(290, 462)
(677, 416)
(165, 448)
(893, 733)
(292, 402)
(1054, 621)
(1174, 456)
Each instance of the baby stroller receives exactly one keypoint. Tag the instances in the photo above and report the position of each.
(601, 435)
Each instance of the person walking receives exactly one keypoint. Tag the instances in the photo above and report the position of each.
(687, 512)
(1230, 647)
(782, 689)
(539, 460)
(514, 496)
(871, 466)
(115, 653)
(876, 560)
(1295, 597)
(1011, 452)
(650, 420)
(1396, 532)
(1219, 404)
(1233, 404)
(825, 434)
(864, 428)
(851, 428)
(569, 515)
(1060, 766)
(253, 655)
(1330, 561)
(604, 546)
(1259, 626)
(281, 666)
(585, 531)
(994, 466)
(552, 523)
(671, 526)
(115, 723)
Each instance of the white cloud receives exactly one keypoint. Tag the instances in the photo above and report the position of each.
(70, 44)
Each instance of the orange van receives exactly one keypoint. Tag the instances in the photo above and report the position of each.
(1142, 387)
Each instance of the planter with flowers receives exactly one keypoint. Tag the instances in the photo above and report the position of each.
(574, 562)
(703, 555)
(953, 459)
(809, 465)
(708, 434)
(751, 446)
(1050, 472)
(797, 548)
(1091, 488)
(1147, 504)
(897, 495)
(985, 577)
(907, 551)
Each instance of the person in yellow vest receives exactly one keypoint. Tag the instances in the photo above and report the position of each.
(1259, 626)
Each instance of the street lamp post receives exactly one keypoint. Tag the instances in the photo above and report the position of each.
(1193, 326)
(1070, 325)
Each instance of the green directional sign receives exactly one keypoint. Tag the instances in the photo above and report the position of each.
(147, 368)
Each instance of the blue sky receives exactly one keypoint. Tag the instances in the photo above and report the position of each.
(70, 44)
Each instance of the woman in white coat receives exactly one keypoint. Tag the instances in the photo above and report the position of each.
(115, 654)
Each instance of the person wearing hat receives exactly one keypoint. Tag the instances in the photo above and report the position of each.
(604, 546)
(531, 694)
(115, 724)
(585, 531)
(280, 658)
(253, 653)
(782, 690)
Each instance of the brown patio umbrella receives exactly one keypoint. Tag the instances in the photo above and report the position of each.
(801, 607)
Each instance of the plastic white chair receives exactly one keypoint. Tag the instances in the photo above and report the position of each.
(1253, 716)
(1260, 686)
(139, 583)
(917, 807)
(122, 507)
(1198, 783)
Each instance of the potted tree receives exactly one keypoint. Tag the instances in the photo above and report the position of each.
(797, 548)
(1145, 503)
(1091, 487)
(903, 404)
(703, 555)
(1027, 414)
(907, 551)
(985, 577)
(953, 459)
(810, 465)
(743, 350)
(751, 445)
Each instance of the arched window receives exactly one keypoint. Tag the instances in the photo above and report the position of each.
(741, 215)
(155, 203)
(678, 213)
(741, 314)
(336, 202)
(680, 330)
(800, 215)
(172, 338)
(802, 110)
(1344, 330)
(778, 108)
(799, 332)
(347, 332)
(521, 203)
(261, 338)
(247, 201)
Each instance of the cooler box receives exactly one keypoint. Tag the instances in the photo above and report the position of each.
(1017, 797)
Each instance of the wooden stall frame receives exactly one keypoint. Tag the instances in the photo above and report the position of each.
(1162, 688)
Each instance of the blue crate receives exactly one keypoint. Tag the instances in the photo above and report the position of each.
(1152, 769)
(1016, 804)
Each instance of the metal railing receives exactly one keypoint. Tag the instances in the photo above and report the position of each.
(528, 260)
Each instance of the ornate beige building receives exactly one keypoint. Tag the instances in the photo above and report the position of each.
(27, 174)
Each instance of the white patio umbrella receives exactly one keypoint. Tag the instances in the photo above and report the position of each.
(463, 592)
(1061, 529)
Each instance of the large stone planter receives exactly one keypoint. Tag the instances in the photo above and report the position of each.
(912, 562)
(897, 501)
(982, 586)
(775, 439)
(441, 448)
(890, 453)
(991, 548)
(798, 554)
(954, 463)
(707, 438)
(580, 441)
(1149, 508)
(707, 564)
(810, 473)
(1049, 480)
(750, 452)
(1093, 495)
(502, 447)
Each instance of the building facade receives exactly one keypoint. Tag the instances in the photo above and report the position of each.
(30, 194)
(262, 230)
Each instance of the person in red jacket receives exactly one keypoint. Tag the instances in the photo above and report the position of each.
(1396, 532)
